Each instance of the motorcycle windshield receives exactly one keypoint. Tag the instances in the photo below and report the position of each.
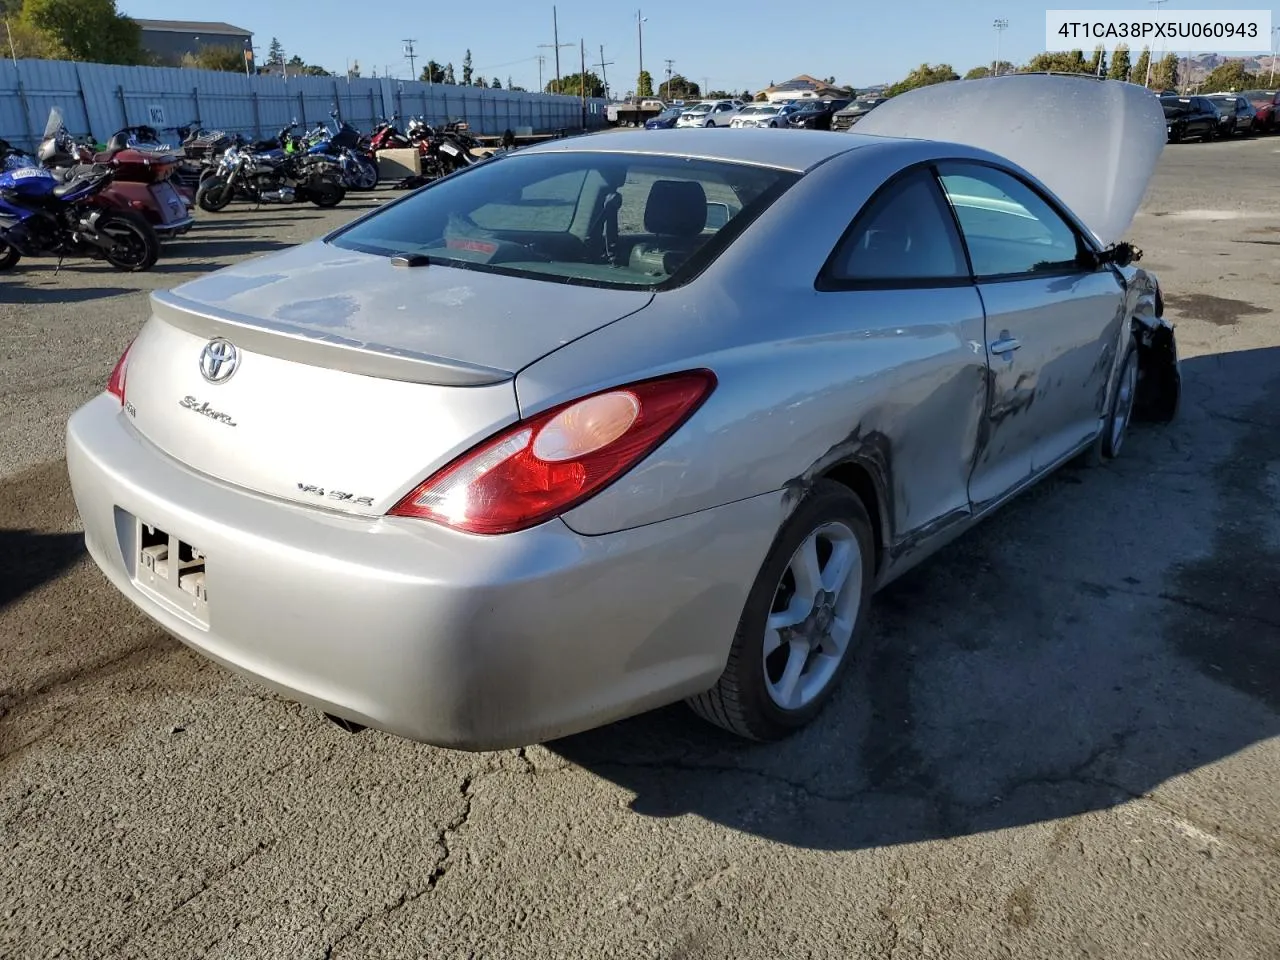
(54, 125)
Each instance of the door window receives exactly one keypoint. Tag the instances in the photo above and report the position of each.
(1009, 229)
(904, 236)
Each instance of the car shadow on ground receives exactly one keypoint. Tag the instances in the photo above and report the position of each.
(30, 559)
(15, 289)
(1043, 666)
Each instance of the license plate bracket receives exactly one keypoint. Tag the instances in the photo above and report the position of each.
(172, 569)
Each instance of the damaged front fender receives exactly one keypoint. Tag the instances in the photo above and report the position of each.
(1159, 367)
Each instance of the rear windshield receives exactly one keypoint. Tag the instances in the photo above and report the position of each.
(593, 218)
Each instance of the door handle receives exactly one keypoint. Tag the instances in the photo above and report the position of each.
(1006, 344)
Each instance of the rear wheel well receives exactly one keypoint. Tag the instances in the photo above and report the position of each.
(858, 479)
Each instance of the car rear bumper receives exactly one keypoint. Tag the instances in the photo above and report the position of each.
(456, 640)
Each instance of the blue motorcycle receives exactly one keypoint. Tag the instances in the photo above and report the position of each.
(359, 172)
(42, 216)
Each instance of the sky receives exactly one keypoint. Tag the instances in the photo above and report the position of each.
(745, 46)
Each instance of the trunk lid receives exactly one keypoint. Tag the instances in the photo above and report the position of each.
(1094, 143)
(350, 379)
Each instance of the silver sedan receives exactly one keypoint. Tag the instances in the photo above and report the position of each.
(614, 422)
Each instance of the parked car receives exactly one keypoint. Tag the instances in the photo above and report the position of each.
(1267, 103)
(760, 115)
(816, 114)
(850, 114)
(665, 120)
(607, 477)
(1239, 116)
(710, 113)
(1190, 118)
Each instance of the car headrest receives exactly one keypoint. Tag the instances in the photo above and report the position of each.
(676, 208)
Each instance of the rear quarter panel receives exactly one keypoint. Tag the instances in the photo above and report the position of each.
(893, 379)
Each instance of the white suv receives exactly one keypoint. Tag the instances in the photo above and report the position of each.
(760, 115)
(710, 113)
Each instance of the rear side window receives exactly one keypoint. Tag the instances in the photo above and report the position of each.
(905, 235)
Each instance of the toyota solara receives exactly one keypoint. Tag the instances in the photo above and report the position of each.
(619, 421)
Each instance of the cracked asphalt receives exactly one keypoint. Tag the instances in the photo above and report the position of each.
(1065, 744)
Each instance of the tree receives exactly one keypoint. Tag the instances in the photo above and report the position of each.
(1068, 62)
(466, 69)
(1230, 76)
(481, 82)
(449, 78)
(275, 52)
(1164, 75)
(572, 85)
(496, 84)
(90, 30)
(432, 73)
(1139, 74)
(354, 70)
(1098, 62)
(646, 84)
(977, 73)
(679, 88)
(924, 75)
(1121, 66)
(745, 96)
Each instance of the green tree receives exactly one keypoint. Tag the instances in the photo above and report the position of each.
(646, 84)
(466, 69)
(432, 73)
(1098, 62)
(1230, 76)
(1139, 74)
(275, 52)
(1120, 64)
(1068, 62)
(679, 87)
(496, 84)
(977, 73)
(924, 75)
(92, 30)
(228, 59)
(449, 78)
(1164, 75)
(572, 85)
(481, 82)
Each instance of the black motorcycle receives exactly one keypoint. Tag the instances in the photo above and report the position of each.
(273, 176)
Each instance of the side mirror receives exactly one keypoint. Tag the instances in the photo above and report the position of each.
(717, 215)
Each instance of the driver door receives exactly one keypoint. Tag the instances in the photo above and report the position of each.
(1052, 324)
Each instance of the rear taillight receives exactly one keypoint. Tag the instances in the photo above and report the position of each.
(115, 383)
(539, 468)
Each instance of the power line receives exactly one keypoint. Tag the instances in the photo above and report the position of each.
(604, 77)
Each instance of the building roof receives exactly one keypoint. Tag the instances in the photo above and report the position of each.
(193, 26)
(803, 82)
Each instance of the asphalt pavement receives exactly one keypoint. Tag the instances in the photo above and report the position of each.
(1067, 745)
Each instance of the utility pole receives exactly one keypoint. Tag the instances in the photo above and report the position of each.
(541, 60)
(1151, 53)
(556, 45)
(582, 81)
(604, 76)
(640, 36)
(1000, 26)
(411, 57)
(669, 62)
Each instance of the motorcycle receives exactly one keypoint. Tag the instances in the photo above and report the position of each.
(41, 216)
(359, 172)
(142, 180)
(272, 177)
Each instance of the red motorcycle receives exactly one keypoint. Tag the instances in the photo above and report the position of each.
(143, 179)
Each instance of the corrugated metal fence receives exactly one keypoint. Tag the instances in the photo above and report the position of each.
(98, 99)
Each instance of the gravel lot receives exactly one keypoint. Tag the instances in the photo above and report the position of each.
(1069, 748)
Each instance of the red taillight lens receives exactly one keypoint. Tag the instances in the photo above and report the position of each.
(115, 383)
(539, 468)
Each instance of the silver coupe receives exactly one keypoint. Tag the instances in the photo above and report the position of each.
(622, 420)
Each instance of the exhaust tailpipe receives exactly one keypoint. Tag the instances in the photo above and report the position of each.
(348, 725)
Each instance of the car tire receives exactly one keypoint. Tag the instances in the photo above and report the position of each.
(772, 686)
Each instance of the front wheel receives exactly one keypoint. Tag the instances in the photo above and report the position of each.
(214, 194)
(803, 622)
(9, 256)
(367, 176)
(327, 194)
(135, 246)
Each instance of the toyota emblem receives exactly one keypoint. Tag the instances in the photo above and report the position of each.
(218, 360)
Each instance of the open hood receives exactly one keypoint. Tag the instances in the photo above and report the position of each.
(1094, 143)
